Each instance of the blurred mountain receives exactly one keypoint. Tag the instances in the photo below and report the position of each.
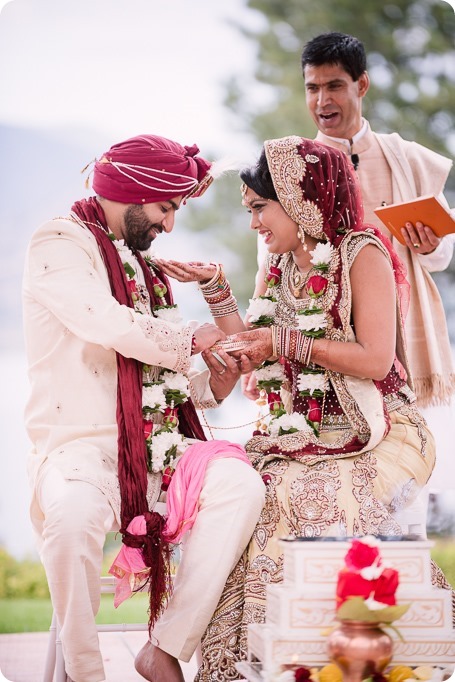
(39, 179)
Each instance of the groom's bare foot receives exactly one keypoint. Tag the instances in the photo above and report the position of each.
(157, 666)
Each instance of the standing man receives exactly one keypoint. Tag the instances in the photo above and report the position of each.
(390, 170)
(111, 411)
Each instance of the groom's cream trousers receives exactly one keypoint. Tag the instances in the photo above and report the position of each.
(77, 516)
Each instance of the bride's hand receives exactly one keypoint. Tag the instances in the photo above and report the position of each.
(259, 345)
(187, 272)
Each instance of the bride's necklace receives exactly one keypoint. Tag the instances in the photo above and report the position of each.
(299, 279)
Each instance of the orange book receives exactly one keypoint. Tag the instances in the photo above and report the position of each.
(428, 210)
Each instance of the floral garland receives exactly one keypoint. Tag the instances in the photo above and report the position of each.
(312, 322)
(165, 445)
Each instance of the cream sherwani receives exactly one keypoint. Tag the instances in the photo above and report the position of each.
(73, 330)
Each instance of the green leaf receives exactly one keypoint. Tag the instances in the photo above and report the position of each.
(270, 385)
(286, 432)
(310, 311)
(175, 396)
(355, 608)
(129, 270)
(262, 321)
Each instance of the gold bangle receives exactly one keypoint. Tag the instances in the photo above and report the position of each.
(274, 330)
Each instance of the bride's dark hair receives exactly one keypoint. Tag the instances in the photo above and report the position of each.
(258, 178)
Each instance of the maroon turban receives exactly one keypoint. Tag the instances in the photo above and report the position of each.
(149, 168)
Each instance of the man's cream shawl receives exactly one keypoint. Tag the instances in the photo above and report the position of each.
(417, 171)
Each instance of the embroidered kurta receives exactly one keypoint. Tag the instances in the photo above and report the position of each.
(73, 329)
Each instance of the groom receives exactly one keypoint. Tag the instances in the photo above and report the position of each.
(94, 334)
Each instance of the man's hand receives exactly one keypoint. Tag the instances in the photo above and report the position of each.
(224, 373)
(205, 336)
(420, 238)
(259, 346)
(187, 272)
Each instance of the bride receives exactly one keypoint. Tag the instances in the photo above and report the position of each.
(343, 446)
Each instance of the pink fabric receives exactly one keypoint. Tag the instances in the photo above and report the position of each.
(128, 566)
(186, 483)
(182, 505)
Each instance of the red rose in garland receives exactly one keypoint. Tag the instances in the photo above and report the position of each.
(316, 286)
(314, 414)
(133, 289)
(170, 417)
(148, 427)
(166, 480)
(275, 402)
(159, 288)
(273, 276)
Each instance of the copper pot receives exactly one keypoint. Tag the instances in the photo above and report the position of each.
(360, 649)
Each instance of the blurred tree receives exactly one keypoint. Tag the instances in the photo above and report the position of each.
(411, 61)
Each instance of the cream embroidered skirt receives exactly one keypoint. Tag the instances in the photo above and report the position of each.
(354, 495)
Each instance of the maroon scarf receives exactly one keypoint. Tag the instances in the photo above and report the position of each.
(132, 451)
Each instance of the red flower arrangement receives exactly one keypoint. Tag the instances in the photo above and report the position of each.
(366, 589)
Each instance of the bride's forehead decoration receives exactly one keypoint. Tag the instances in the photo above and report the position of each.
(315, 186)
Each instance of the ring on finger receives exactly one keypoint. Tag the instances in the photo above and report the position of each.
(417, 245)
(222, 371)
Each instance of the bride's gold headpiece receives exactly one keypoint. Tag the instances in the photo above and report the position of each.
(287, 168)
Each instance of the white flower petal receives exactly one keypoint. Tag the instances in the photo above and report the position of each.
(312, 322)
(153, 397)
(322, 253)
(261, 307)
(171, 314)
(312, 382)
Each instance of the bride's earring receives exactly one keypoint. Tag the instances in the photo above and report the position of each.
(302, 235)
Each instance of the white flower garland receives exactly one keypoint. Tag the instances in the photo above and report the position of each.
(164, 443)
(312, 321)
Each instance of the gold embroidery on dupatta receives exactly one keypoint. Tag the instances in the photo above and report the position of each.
(287, 168)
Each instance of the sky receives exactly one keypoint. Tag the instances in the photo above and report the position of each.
(123, 68)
